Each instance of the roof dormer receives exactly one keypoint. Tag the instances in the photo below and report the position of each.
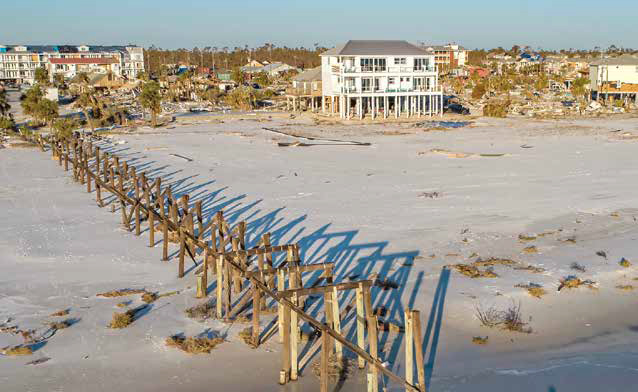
(83, 48)
(20, 48)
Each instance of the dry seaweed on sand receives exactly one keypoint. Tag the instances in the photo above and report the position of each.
(246, 335)
(149, 297)
(60, 324)
(625, 287)
(473, 272)
(493, 261)
(530, 268)
(123, 320)
(531, 249)
(201, 311)
(624, 263)
(338, 370)
(194, 345)
(535, 290)
(17, 350)
(525, 237)
(60, 313)
(120, 293)
(480, 340)
(573, 282)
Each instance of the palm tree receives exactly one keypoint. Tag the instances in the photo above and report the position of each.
(4, 103)
(84, 102)
(151, 99)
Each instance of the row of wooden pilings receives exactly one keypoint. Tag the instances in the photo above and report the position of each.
(253, 274)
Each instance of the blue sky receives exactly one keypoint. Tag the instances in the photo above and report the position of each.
(188, 23)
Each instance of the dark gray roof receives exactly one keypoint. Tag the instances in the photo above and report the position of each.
(376, 48)
(309, 75)
(625, 59)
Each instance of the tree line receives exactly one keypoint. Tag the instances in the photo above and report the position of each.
(225, 58)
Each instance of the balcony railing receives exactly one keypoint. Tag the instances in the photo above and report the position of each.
(354, 90)
(378, 69)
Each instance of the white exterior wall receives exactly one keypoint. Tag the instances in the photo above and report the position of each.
(612, 73)
(346, 72)
(21, 65)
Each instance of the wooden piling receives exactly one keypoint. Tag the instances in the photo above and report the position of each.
(219, 288)
(409, 347)
(418, 349)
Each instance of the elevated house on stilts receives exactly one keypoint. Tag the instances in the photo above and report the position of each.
(380, 79)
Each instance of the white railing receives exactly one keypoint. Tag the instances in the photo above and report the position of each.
(377, 69)
(354, 90)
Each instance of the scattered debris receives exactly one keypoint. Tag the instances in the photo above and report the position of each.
(38, 361)
(626, 287)
(430, 195)
(385, 284)
(577, 267)
(480, 340)
(493, 261)
(183, 157)
(624, 263)
(602, 253)
(60, 313)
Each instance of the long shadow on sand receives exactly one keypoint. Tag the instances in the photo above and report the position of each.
(391, 270)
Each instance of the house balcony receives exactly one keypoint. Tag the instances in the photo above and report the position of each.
(298, 91)
(389, 91)
(383, 70)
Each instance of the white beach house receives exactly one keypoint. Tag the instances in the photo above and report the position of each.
(380, 79)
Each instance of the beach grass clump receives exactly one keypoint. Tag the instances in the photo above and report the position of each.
(194, 345)
(510, 319)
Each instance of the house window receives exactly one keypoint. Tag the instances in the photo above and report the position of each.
(399, 61)
(391, 80)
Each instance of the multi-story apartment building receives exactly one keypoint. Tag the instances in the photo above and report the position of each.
(380, 78)
(19, 62)
(448, 57)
